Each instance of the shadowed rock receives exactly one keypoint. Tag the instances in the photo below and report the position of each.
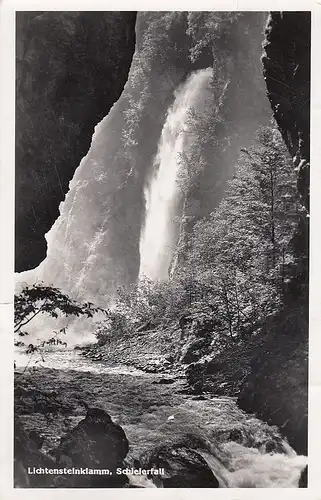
(97, 443)
(184, 468)
(71, 68)
(286, 68)
(303, 481)
(164, 381)
(27, 454)
(269, 389)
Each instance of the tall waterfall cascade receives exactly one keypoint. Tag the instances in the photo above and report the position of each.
(162, 193)
(81, 259)
(84, 257)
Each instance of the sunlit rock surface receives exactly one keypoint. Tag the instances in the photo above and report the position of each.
(94, 246)
(71, 68)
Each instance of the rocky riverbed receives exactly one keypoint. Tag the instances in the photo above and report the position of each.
(157, 417)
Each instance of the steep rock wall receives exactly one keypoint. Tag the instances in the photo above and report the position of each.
(277, 385)
(240, 102)
(286, 63)
(94, 245)
(238, 107)
(71, 68)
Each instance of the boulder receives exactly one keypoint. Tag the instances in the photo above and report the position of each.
(195, 373)
(37, 438)
(191, 354)
(27, 454)
(195, 349)
(164, 381)
(184, 468)
(97, 443)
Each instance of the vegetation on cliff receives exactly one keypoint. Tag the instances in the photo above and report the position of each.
(235, 306)
(230, 312)
(239, 260)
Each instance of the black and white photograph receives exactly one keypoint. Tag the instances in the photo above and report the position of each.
(161, 303)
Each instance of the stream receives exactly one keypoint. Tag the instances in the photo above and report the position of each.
(244, 451)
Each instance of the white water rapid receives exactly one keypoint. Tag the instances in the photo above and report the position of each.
(242, 451)
(162, 194)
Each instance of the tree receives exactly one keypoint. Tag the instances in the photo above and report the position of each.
(209, 30)
(237, 262)
(242, 251)
(39, 299)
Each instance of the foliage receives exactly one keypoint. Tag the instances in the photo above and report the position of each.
(39, 299)
(164, 38)
(116, 324)
(239, 260)
(203, 130)
(146, 305)
(209, 29)
(243, 252)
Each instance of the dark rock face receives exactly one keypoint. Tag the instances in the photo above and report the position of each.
(286, 69)
(96, 442)
(71, 68)
(277, 385)
(164, 381)
(192, 352)
(36, 438)
(276, 388)
(303, 481)
(286, 63)
(27, 454)
(184, 468)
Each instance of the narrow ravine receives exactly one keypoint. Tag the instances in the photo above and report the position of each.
(177, 263)
(241, 450)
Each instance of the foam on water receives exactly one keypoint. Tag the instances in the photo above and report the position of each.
(242, 464)
(66, 359)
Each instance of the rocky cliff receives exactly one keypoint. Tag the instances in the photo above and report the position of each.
(71, 68)
(286, 69)
(94, 245)
(277, 386)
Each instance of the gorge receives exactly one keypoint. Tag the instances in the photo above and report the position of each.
(173, 220)
(104, 209)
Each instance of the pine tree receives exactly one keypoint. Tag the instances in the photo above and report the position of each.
(243, 251)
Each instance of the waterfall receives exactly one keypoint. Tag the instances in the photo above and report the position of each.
(92, 245)
(162, 194)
